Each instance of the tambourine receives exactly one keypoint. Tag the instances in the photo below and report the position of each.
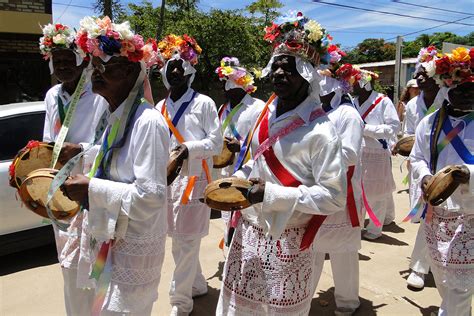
(225, 158)
(227, 194)
(441, 186)
(404, 146)
(34, 192)
(174, 167)
(34, 155)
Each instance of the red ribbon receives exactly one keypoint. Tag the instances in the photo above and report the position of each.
(350, 201)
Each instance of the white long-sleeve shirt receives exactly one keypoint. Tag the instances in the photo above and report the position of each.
(416, 110)
(336, 233)
(244, 119)
(199, 125)
(89, 110)
(131, 207)
(462, 200)
(313, 155)
(381, 123)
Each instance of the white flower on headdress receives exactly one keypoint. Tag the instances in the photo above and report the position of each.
(49, 29)
(430, 68)
(123, 29)
(89, 24)
(315, 30)
(59, 39)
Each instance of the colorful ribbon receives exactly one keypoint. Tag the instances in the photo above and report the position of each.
(369, 210)
(102, 273)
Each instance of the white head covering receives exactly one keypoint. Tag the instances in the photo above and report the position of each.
(187, 67)
(328, 85)
(305, 69)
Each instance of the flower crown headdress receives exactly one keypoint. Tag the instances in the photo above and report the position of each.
(454, 68)
(184, 47)
(102, 38)
(230, 69)
(56, 36)
(301, 37)
(347, 74)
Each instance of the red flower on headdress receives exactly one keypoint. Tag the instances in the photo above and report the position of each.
(60, 27)
(153, 43)
(443, 65)
(346, 71)
(81, 41)
(271, 32)
(47, 41)
(135, 56)
(471, 54)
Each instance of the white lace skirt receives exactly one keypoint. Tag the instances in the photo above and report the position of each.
(267, 277)
(377, 174)
(450, 241)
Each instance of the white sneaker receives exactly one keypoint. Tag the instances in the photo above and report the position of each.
(176, 312)
(198, 293)
(416, 280)
(344, 311)
(371, 236)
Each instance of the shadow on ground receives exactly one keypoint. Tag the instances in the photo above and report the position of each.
(425, 311)
(28, 259)
(324, 305)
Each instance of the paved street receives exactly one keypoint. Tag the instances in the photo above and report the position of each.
(31, 282)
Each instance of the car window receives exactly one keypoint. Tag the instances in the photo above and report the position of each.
(17, 130)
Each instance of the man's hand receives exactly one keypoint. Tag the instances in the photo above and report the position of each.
(461, 176)
(76, 188)
(424, 183)
(183, 153)
(257, 191)
(68, 151)
(233, 144)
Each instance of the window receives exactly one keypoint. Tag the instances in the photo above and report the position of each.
(17, 130)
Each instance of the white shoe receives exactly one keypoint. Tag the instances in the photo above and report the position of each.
(198, 293)
(371, 236)
(344, 311)
(176, 312)
(416, 280)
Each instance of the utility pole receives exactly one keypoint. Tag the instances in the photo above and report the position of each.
(161, 22)
(398, 66)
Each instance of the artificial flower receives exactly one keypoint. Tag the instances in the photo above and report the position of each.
(315, 31)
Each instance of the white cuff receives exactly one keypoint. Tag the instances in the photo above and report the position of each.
(105, 202)
(278, 198)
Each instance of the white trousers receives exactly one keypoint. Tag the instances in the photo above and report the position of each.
(187, 273)
(454, 302)
(345, 272)
(78, 301)
(384, 210)
(419, 257)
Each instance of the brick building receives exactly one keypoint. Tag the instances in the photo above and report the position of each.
(24, 74)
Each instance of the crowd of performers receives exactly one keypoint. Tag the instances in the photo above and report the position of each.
(318, 153)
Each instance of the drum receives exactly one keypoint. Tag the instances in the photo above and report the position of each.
(174, 167)
(441, 186)
(34, 192)
(225, 158)
(227, 194)
(404, 145)
(34, 155)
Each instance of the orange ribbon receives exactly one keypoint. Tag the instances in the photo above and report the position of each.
(180, 138)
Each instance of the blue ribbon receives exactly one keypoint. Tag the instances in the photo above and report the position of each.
(180, 112)
(458, 144)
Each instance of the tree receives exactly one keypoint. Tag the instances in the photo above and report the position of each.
(371, 50)
(185, 5)
(112, 8)
(268, 8)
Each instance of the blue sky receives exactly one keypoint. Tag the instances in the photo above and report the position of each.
(348, 26)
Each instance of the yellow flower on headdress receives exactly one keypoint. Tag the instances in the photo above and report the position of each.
(244, 81)
(227, 70)
(460, 54)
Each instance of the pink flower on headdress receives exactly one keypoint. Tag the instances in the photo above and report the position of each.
(104, 23)
(113, 34)
(93, 47)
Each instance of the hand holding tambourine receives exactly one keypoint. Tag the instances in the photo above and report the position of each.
(175, 162)
(231, 194)
(436, 189)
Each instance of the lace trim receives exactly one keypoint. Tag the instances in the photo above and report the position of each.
(140, 246)
(450, 240)
(136, 276)
(266, 275)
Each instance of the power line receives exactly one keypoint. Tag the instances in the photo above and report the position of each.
(72, 5)
(429, 28)
(386, 12)
(64, 11)
(432, 8)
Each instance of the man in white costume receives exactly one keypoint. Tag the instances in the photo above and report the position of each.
(298, 178)
(449, 227)
(237, 116)
(70, 68)
(124, 197)
(194, 117)
(381, 127)
(339, 235)
(429, 100)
